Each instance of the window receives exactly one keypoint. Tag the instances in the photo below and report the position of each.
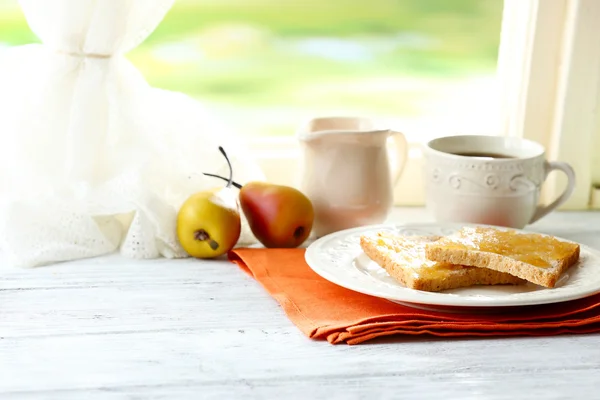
(424, 67)
(271, 64)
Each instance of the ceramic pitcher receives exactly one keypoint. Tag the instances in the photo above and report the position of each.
(346, 171)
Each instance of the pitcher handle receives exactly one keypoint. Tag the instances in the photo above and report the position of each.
(401, 153)
(542, 211)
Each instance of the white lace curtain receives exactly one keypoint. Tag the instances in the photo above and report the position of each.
(92, 159)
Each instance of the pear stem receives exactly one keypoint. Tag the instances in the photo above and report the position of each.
(233, 183)
(228, 164)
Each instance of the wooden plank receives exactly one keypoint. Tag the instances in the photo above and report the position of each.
(114, 328)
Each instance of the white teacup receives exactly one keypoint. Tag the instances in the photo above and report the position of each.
(489, 180)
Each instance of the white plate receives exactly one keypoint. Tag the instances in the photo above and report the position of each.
(338, 258)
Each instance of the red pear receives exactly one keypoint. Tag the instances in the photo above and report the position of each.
(279, 216)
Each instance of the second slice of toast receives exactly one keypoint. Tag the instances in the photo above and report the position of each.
(537, 258)
(403, 257)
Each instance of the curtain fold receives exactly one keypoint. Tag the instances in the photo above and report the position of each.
(92, 159)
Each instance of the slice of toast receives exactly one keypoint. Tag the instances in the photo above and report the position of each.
(403, 257)
(540, 259)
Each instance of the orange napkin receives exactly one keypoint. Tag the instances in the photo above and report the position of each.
(323, 310)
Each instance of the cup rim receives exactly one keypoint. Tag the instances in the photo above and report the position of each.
(537, 148)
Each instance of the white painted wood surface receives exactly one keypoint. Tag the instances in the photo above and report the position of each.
(118, 329)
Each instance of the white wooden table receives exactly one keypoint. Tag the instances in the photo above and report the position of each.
(113, 328)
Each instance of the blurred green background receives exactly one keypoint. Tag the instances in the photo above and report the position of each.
(268, 64)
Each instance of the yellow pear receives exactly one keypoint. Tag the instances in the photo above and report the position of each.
(208, 222)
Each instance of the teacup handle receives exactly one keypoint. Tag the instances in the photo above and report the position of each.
(402, 153)
(542, 211)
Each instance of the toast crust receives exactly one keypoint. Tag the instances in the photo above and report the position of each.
(404, 259)
(537, 258)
